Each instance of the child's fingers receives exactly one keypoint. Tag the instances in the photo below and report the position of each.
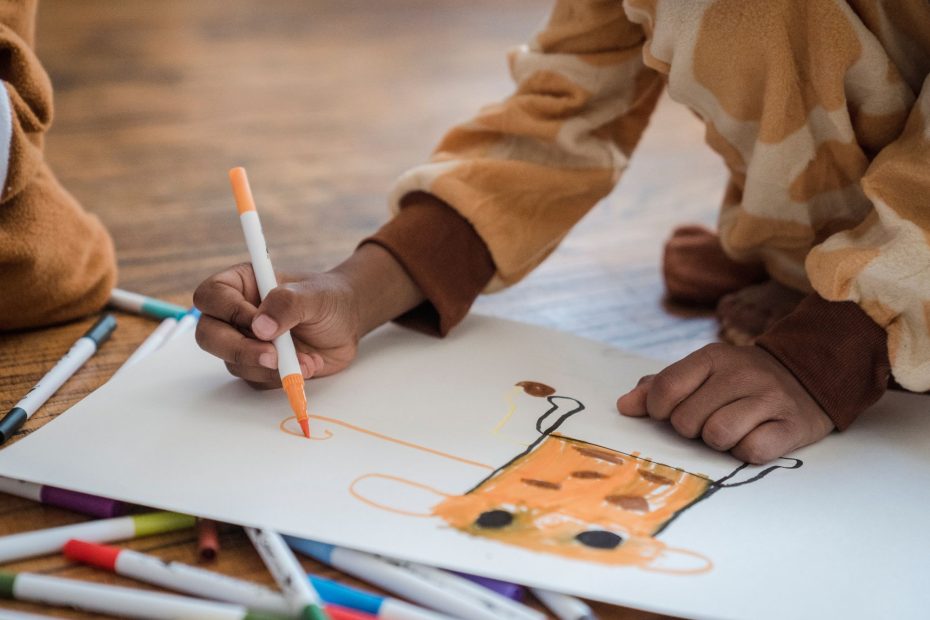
(228, 344)
(633, 403)
(678, 381)
(766, 442)
(728, 425)
(690, 416)
(230, 295)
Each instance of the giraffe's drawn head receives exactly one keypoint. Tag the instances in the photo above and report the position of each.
(576, 500)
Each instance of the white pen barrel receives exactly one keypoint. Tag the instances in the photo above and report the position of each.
(504, 608)
(199, 582)
(43, 542)
(393, 609)
(80, 352)
(258, 252)
(394, 579)
(21, 488)
(266, 280)
(119, 601)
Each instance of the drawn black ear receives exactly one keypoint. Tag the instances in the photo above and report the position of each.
(561, 409)
(746, 473)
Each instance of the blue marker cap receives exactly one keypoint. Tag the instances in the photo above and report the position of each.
(335, 593)
(320, 552)
(194, 312)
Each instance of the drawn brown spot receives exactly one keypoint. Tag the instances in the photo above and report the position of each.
(587, 474)
(536, 389)
(604, 455)
(629, 502)
(651, 476)
(542, 484)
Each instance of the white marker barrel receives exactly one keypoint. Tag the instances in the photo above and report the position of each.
(564, 607)
(44, 542)
(266, 280)
(284, 567)
(393, 577)
(119, 601)
(199, 582)
(503, 607)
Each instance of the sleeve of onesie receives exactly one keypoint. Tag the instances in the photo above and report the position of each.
(56, 260)
(523, 171)
(881, 269)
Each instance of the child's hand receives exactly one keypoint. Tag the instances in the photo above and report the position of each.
(737, 399)
(320, 310)
(327, 314)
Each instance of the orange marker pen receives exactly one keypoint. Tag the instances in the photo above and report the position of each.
(292, 378)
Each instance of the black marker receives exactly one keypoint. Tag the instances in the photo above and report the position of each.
(80, 352)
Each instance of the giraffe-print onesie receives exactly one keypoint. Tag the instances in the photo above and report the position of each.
(819, 108)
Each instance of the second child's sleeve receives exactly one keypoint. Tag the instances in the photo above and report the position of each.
(503, 189)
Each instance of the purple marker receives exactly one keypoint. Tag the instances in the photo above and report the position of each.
(70, 500)
(505, 588)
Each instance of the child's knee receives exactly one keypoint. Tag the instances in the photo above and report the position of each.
(56, 260)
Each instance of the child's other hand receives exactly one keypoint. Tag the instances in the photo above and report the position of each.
(736, 399)
(320, 310)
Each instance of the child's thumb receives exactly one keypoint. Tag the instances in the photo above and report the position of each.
(282, 309)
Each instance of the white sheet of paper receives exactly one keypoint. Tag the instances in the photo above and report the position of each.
(841, 536)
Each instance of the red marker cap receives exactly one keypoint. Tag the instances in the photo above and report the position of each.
(335, 612)
(101, 556)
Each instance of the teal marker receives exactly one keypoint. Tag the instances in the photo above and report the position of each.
(144, 305)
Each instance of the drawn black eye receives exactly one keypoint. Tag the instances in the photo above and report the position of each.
(599, 539)
(494, 519)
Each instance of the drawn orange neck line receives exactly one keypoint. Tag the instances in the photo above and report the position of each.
(409, 444)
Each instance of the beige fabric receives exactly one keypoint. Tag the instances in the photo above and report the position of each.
(806, 101)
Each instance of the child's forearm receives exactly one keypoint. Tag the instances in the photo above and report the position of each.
(382, 287)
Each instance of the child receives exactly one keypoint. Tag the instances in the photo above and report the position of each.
(56, 260)
(820, 109)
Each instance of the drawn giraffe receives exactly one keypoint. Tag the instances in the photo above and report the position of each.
(572, 498)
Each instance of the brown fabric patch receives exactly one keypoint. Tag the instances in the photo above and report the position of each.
(651, 476)
(731, 156)
(588, 475)
(542, 484)
(588, 28)
(604, 455)
(835, 165)
(832, 273)
(634, 503)
(774, 61)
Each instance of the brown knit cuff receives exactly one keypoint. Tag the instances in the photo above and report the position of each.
(836, 351)
(443, 254)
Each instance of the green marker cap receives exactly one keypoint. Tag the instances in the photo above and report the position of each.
(6, 584)
(256, 615)
(158, 522)
(313, 612)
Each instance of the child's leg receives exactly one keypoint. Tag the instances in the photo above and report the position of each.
(698, 272)
(56, 260)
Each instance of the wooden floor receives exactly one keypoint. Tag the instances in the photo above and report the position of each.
(325, 102)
